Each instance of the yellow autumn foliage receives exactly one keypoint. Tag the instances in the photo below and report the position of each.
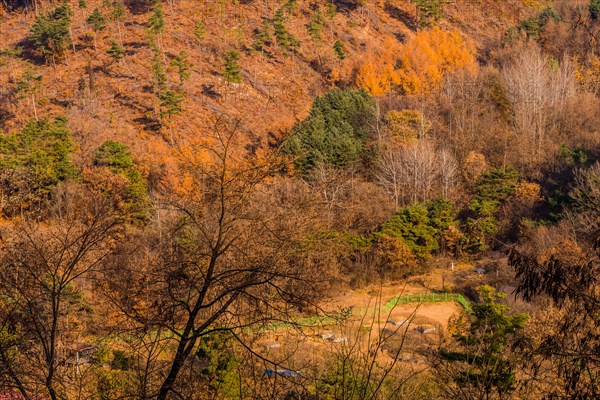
(395, 254)
(407, 125)
(431, 54)
(378, 74)
(377, 78)
(527, 191)
(474, 165)
(588, 74)
(537, 4)
(418, 66)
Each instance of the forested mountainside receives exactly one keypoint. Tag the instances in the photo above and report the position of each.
(299, 199)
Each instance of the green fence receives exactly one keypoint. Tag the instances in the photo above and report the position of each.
(428, 298)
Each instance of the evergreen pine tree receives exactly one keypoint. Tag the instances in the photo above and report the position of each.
(331, 9)
(199, 31)
(170, 102)
(182, 64)
(594, 9)
(290, 5)
(117, 158)
(118, 11)
(315, 26)
(158, 72)
(262, 38)
(281, 33)
(285, 39)
(28, 85)
(116, 51)
(156, 24)
(96, 21)
(340, 53)
(430, 11)
(480, 363)
(50, 32)
(232, 73)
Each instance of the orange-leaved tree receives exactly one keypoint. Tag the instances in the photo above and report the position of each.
(418, 66)
(378, 74)
(430, 55)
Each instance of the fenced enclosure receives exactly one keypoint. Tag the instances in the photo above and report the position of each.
(428, 298)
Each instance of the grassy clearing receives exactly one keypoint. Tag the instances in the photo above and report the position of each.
(428, 298)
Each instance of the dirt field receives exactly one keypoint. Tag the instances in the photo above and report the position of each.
(366, 302)
(403, 332)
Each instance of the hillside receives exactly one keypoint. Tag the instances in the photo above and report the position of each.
(299, 199)
(277, 87)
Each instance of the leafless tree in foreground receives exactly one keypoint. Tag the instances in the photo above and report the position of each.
(230, 256)
(43, 268)
(566, 353)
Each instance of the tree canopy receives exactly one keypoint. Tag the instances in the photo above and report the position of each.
(37, 158)
(335, 132)
(50, 31)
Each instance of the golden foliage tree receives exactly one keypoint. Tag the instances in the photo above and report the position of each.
(378, 74)
(417, 67)
(587, 74)
(395, 255)
(427, 57)
(377, 78)
(407, 125)
(474, 165)
(527, 191)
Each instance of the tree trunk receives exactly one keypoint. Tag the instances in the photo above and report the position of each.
(34, 108)
(183, 351)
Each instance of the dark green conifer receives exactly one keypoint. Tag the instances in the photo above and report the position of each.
(50, 32)
(340, 53)
(232, 72)
(116, 51)
(96, 21)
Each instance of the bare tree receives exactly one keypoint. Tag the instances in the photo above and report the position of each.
(417, 172)
(229, 259)
(535, 84)
(566, 352)
(44, 265)
(332, 183)
(585, 212)
(366, 364)
(449, 172)
(391, 174)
